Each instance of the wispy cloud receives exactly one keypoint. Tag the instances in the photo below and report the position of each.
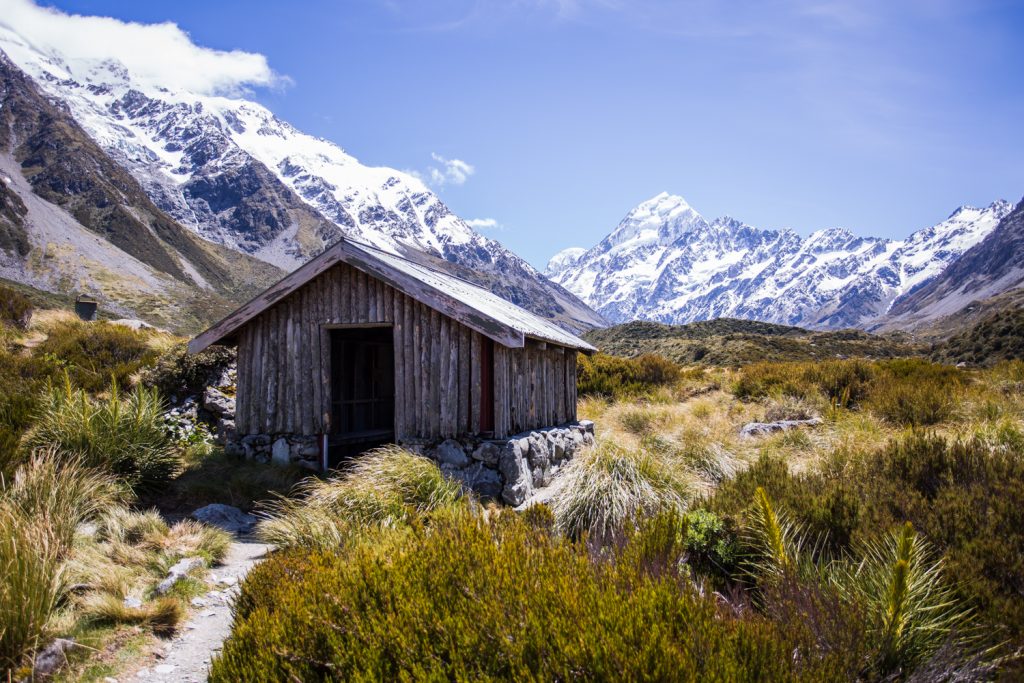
(155, 54)
(448, 171)
(484, 224)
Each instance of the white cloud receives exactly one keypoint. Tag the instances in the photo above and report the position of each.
(155, 54)
(453, 171)
(483, 224)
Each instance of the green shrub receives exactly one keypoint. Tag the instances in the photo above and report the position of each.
(179, 373)
(844, 383)
(827, 509)
(758, 380)
(607, 488)
(712, 544)
(94, 354)
(616, 377)
(382, 488)
(123, 434)
(962, 496)
(461, 599)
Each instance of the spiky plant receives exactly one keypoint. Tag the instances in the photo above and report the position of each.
(774, 541)
(913, 611)
(124, 433)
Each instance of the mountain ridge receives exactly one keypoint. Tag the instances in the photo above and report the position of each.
(667, 263)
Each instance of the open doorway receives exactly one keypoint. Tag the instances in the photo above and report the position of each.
(362, 391)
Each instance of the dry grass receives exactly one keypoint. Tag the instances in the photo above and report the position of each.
(378, 491)
(608, 486)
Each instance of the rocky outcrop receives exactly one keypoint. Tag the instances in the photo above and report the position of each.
(752, 429)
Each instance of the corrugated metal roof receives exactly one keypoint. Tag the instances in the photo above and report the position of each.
(474, 306)
(484, 301)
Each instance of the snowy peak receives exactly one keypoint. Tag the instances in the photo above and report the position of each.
(563, 260)
(659, 220)
(665, 262)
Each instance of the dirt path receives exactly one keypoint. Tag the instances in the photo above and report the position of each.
(186, 658)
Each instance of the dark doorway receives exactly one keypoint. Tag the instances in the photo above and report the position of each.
(362, 391)
(487, 386)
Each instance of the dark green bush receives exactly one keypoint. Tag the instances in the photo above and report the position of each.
(915, 392)
(96, 353)
(465, 600)
(179, 373)
(615, 377)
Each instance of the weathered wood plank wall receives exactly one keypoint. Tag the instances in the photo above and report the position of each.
(284, 365)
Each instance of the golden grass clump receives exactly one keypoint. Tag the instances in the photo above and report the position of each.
(607, 487)
(379, 490)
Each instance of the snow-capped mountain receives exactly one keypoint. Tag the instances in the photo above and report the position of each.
(238, 176)
(666, 262)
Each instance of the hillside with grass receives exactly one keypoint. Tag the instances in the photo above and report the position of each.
(728, 341)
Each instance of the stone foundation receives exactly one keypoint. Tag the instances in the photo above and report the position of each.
(279, 449)
(506, 469)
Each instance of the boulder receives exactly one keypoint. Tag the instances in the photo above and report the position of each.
(282, 452)
(51, 658)
(218, 403)
(451, 454)
(225, 517)
(488, 452)
(480, 479)
(178, 572)
(752, 429)
(539, 451)
(558, 448)
(515, 472)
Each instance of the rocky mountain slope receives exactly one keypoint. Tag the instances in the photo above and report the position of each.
(72, 220)
(236, 175)
(666, 262)
(993, 266)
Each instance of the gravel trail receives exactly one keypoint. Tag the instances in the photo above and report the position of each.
(186, 658)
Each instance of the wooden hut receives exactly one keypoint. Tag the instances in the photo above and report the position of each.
(360, 347)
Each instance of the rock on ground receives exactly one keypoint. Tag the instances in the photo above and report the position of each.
(225, 517)
(753, 429)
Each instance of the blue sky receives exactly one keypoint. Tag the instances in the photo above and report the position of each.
(879, 116)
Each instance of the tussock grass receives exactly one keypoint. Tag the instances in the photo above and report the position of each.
(161, 616)
(381, 489)
(39, 510)
(607, 487)
(31, 583)
(59, 492)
